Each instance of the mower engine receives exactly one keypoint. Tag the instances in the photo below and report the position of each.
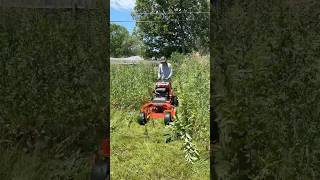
(162, 106)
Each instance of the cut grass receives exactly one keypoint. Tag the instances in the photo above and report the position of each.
(139, 152)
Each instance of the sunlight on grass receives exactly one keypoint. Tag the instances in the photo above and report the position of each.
(140, 152)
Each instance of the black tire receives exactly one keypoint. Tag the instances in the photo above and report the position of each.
(142, 119)
(167, 118)
(100, 171)
(175, 101)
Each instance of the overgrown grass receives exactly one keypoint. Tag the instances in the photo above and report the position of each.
(140, 152)
(266, 57)
(53, 92)
(15, 164)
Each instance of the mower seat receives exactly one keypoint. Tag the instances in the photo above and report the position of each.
(162, 92)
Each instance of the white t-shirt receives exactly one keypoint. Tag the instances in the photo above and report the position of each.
(165, 69)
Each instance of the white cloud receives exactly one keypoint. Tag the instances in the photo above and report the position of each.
(122, 4)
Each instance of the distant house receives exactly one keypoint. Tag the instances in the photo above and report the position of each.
(53, 4)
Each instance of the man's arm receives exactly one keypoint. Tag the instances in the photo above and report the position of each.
(170, 68)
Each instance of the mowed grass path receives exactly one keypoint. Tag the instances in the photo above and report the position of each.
(140, 152)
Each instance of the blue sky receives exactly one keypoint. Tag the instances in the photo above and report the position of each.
(120, 10)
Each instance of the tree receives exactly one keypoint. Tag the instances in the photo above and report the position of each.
(124, 44)
(170, 26)
(137, 45)
(119, 36)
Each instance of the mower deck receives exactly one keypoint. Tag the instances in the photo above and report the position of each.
(162, 106)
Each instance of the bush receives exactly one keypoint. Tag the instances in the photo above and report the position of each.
(177, 57)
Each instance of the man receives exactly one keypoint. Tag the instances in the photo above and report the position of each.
(164, 69)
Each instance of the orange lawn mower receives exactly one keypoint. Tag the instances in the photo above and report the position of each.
(162, 106)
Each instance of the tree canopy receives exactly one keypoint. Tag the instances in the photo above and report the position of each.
(169, 26)
(122, 43)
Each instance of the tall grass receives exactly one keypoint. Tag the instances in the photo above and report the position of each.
(266, 55)
(193, 89)
(130, 85)
(53, 91)
(141, 152)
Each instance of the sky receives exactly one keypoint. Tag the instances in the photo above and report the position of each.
(120, 10)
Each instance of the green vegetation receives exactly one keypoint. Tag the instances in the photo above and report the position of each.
(165, 27)
(170, 26)
(122, 44)
(266, 65)
(141, 152)
(53, 92)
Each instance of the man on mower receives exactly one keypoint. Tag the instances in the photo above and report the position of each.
(164, 69)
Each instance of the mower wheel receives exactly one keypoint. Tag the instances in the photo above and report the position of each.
(142, 119)
(167, 118)
(175, 101)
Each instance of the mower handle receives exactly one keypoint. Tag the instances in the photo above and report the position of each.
(163, 79)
